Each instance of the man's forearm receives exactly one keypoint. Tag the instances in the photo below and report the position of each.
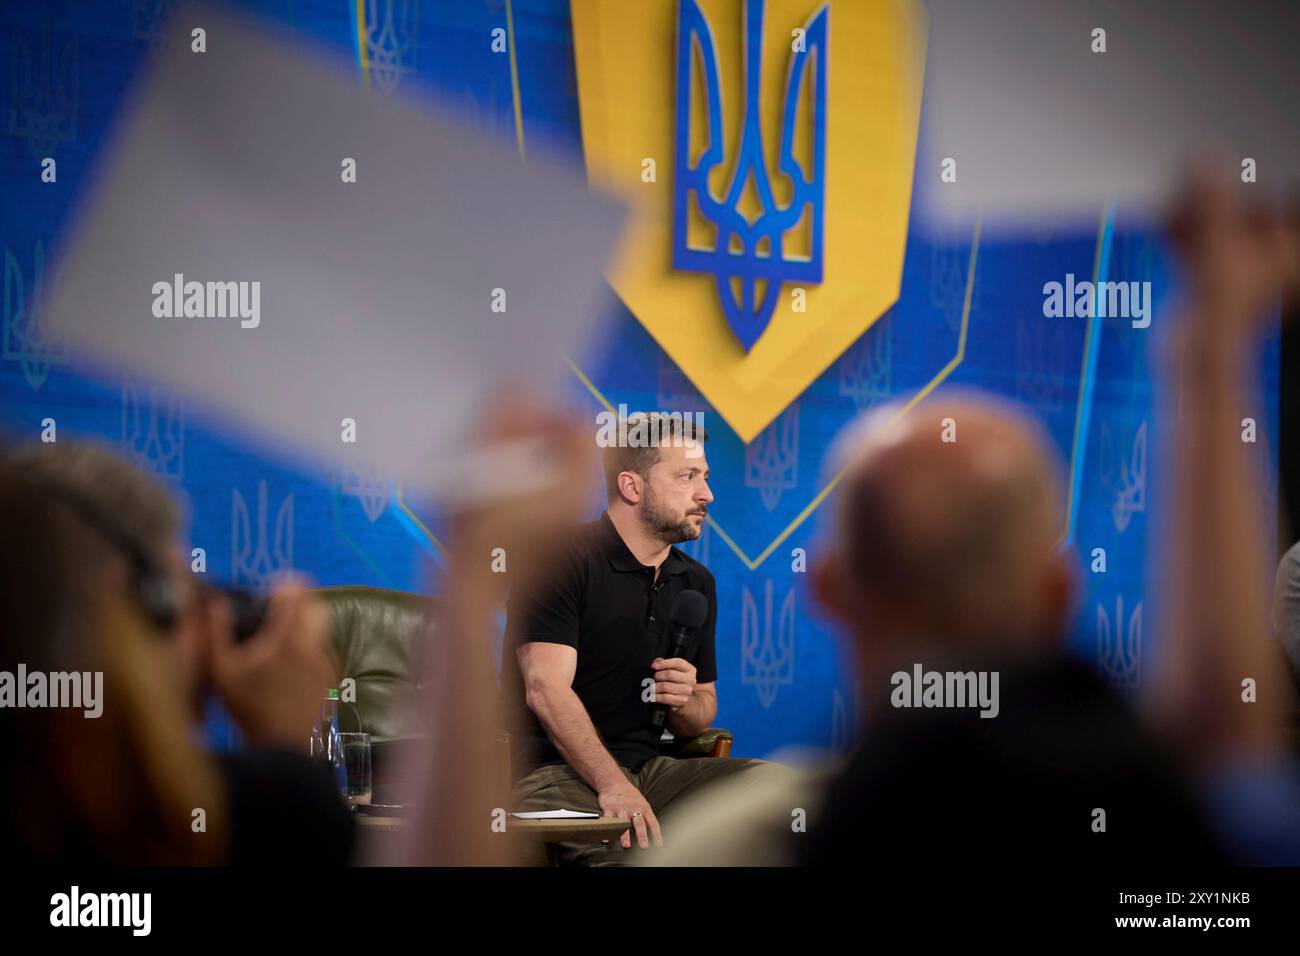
(567, 723)
(694, 717)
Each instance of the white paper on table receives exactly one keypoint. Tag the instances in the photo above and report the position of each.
(556, 815)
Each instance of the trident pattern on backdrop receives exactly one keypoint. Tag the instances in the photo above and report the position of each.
(255, 562)
(371, 486)
(1124, 474)
(390, 40)
(149, 18)
(25, 338)
(772, 459)
(866, 371)
(767, 644)
(750, 249)
(153, 429)
(1119, 646)
(44, 91)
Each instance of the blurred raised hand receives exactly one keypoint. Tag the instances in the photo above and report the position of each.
(1240, 260)
(540, 498)
(555, 461)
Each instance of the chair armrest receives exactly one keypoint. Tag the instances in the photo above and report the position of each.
(714, 742)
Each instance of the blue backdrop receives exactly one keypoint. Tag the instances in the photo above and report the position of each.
(971, 312)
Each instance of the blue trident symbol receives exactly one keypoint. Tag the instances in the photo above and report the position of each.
(760, 256)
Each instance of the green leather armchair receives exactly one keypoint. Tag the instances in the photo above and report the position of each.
(376, 637)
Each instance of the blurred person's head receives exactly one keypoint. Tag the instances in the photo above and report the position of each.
(660, 476)
(271, 683)
(120, 787)
(946, 532)
(140, 518)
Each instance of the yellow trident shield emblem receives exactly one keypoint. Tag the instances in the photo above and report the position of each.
(766, 148)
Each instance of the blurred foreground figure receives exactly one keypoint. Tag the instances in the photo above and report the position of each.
(943, 559)
(116, 779)
(460, 817)
(121, 789)
(946, 560)
(274, 803)
(1224, 690)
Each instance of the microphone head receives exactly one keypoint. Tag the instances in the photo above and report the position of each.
(690, 608)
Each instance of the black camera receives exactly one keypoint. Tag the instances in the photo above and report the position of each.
(248, 609)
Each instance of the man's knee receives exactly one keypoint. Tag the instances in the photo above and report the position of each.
(553, 787)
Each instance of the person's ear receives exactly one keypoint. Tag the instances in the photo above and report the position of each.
(629, 486)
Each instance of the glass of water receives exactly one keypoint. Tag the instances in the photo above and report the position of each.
(356, 759)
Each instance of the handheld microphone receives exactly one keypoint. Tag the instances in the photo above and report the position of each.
(689, 610)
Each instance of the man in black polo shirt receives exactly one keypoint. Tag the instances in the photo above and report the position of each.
(584, 653)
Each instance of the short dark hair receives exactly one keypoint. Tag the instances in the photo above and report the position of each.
(662, 429)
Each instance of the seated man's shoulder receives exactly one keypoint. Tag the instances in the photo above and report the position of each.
(696, 570)
(581, 540)
(582, 544)
(571, 555)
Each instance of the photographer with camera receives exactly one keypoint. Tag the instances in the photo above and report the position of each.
(269, 666)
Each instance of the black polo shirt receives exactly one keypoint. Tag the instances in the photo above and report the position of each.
(608, 605)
